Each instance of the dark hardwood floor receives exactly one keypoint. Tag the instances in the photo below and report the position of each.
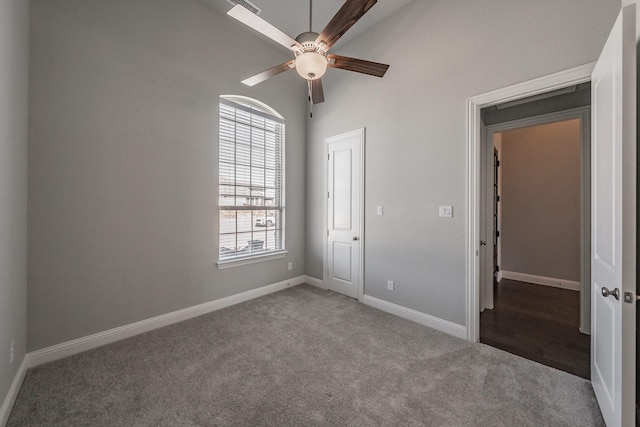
(539, 323)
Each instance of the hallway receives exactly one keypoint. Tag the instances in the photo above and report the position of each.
(539, 323)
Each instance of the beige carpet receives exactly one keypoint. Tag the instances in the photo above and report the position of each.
(300, 357)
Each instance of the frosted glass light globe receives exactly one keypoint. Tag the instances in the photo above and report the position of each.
(311, 65)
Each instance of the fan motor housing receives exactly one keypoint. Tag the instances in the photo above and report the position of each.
(308, 36)
(308, 42)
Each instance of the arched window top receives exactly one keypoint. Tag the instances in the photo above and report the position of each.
(252, 104)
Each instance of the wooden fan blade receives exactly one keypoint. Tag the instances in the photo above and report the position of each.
(358, 65)
(252, 20)
(315, 91)
(273, 71)
(350, 12)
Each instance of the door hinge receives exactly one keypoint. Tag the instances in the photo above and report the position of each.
(497, 163)
(327, 233)
(497, 233)
(497, 198)
(328, 195)
(328, 156)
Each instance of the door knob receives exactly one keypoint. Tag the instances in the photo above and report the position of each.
(355, 238)
(483, 243)
(615, 293)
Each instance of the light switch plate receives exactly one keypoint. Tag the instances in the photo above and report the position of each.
(446, 211)
(380, 210)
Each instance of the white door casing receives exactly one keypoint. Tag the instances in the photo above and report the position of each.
(345, 196)
(475, 104)
(613, 241)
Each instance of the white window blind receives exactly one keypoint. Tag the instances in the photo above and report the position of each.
(251, 179)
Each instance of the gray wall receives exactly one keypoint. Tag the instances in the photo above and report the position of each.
(14, 40)
(441, 53)
(123, 161)
(541, 200)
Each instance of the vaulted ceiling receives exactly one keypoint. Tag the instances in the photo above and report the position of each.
(292, 17)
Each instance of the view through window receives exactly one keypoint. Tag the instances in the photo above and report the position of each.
(251, 164)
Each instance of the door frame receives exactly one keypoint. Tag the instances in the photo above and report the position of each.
(584, 115)
(361, 134)
(576, 75)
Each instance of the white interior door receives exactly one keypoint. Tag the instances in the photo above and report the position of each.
(613, 253)
(344, 213)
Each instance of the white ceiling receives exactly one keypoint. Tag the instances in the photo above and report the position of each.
(292, 16)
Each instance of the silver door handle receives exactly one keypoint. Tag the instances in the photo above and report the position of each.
(615, 293)
(355, 238)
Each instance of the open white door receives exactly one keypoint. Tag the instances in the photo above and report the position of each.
(613, 232)
(344, 213)
(486, 284)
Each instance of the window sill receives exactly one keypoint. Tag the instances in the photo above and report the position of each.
(250, 260)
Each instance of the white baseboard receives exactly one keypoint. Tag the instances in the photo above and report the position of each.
(404, 312)
(541, 280)
(79, 345)
(499, 276)
(10, 398)
(417, 316)
(318, 283)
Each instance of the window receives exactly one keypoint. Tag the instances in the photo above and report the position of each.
(251, 180)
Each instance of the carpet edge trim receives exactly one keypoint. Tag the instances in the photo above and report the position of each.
(433, 322)
(69, 348)
(541, 280)
(12, 393)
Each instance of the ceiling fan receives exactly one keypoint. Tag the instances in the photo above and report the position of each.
(311, 49)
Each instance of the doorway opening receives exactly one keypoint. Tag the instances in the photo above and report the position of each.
(613, 220)
(535, 224)
(475, 127)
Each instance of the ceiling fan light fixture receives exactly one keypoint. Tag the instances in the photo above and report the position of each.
(310, 49)
(311, 65)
